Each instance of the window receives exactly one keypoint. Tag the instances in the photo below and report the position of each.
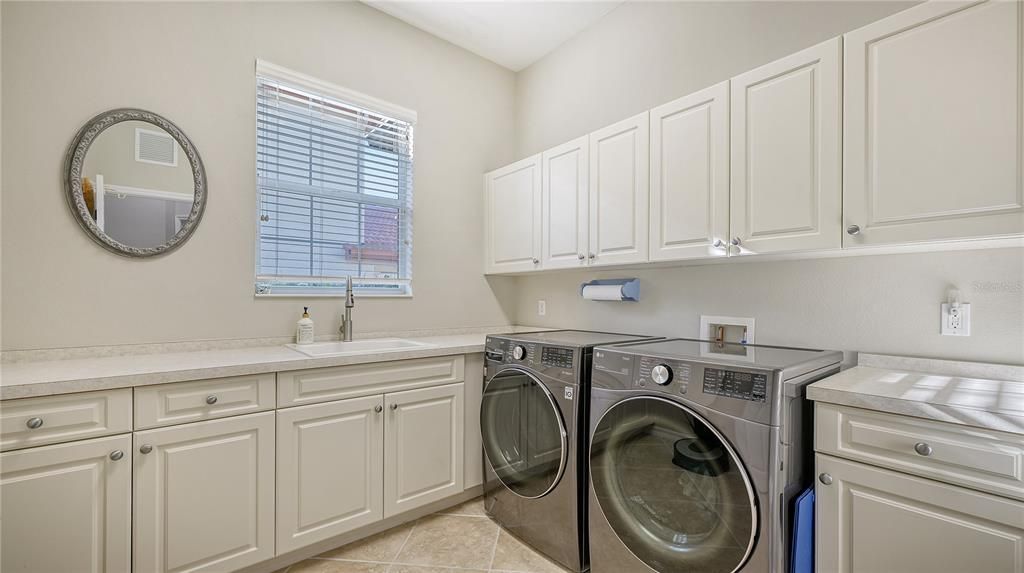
(334, 177)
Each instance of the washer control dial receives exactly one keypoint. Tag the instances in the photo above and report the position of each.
(519, 352)
(661, 374)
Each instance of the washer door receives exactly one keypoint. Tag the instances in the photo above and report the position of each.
(524, 437)
(672, 488)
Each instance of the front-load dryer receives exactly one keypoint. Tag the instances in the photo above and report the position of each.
(696, 451)
(533, 422)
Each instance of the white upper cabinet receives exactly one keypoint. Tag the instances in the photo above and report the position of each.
(619, 190)
(933, 124)
(564, 210)
(513, 229)
(786, 152)
(689, 211)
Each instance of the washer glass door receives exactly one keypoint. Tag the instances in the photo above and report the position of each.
(523, 433)
(672, 488)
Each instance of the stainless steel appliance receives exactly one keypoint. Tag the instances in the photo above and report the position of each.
(533, 421)
(696, 451)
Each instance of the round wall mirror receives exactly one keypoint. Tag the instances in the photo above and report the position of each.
(135, 183)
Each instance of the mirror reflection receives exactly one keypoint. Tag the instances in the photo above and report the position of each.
(137, 184)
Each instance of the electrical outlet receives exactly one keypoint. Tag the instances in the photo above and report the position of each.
(956, 319)
(542, 308)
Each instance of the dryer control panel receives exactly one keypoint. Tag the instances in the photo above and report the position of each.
(735, 384)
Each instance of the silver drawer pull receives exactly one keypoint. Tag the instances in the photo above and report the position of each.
(378, 408)
(116, 455)
(923, 449)
(394, 406)
(211, 399)
(145, 449)
(825, 479)
(34, 423)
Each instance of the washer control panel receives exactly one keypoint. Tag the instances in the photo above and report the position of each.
(656, 372)
(750, 386)
(556, 357)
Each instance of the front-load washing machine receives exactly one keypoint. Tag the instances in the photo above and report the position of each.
(533, 422)
(697, 450)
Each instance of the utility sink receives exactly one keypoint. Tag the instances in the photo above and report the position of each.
(322, 349)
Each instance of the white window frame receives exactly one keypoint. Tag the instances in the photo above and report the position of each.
(318, 288)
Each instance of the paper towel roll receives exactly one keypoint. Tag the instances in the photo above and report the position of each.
(602, 292)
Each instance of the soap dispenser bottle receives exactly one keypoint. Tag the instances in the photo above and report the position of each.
(304, 329)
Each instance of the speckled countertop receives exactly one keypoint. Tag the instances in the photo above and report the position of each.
(25, 379)
(973, 394)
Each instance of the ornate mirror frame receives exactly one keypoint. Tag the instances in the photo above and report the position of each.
(75, 159)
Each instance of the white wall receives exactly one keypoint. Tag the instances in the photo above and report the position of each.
(644, 54)
(193, 63)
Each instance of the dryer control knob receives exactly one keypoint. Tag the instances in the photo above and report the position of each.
(519, 352)
(661, 374)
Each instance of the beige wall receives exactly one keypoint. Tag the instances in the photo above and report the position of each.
(644, 54)
(194, 64)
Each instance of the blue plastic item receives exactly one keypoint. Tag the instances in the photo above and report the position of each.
(803, 533)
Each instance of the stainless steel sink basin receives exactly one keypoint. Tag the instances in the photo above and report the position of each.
(373, 345)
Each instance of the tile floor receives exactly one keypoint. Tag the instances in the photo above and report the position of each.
(461, 539)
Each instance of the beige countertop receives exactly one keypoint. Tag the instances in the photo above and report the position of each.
(972, 394)
(43, 378)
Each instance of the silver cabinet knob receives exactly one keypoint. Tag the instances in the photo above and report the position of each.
(34, 423)
(718, 244)
(825, 479)
(145, 449)
(582, 256)
(735, 241)
(923, 449)
(536, 261)
(211, 399)
(592, 256)
(394, 406)
(378, 408)
(116, 455)
(853, 230)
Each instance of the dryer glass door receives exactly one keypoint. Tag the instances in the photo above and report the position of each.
(523, 433)
(672, 488)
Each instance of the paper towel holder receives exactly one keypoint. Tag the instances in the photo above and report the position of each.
(629, 288)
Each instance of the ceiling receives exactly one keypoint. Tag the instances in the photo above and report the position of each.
(511, 33)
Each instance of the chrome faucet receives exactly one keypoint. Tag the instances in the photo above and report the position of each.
(346, 321)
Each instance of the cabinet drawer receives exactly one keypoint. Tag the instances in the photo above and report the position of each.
(64, 418)
(168, 404)
(326, 384)
(984, 460)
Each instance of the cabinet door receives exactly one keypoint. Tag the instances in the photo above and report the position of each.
(786, 186)
(619, 192)
(564, 210)
(871, 520)
(690, 176)
(330, 469)
(204, 495)
(933, 124)
(513, 217)
(67, 507)
(423, 447)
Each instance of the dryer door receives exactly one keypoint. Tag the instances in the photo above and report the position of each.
(523, 432)
(672, 488)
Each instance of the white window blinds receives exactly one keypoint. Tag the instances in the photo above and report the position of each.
(334, 178)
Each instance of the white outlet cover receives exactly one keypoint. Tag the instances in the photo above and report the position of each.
(542, 308)
(965, 320)
(706, 321)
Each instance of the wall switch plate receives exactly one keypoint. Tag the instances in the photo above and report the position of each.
(542, 308)
(734, 328)
(956, 321)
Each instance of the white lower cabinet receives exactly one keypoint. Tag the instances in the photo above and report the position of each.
(871, 520)
(204, 495)
(67, 507)
(330, 465)
(423, 447)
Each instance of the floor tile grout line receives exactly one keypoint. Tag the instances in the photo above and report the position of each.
(494, 549)
(405, 542)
